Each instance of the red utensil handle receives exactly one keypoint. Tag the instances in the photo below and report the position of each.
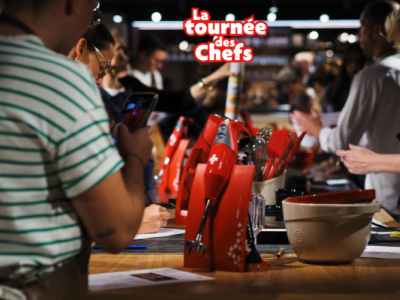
(281, 157)
(267, 169)
(292, 152)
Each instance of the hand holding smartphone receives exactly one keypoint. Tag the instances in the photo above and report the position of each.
(136, 111)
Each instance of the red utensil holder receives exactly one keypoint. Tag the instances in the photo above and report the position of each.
(225, 229)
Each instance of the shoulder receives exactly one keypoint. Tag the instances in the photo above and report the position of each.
(378, 70)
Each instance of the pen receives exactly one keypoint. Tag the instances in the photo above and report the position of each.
(129, 247)
(280, 252)
(148, 196)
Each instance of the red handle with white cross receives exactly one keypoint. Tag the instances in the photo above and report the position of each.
(222, 158)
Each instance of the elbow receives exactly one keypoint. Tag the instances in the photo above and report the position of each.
(116, 244)
(118, 241)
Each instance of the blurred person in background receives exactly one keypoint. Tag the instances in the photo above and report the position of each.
(335, 96)
(151, 55)
(321, 79)
(373, 104)
(96, 50)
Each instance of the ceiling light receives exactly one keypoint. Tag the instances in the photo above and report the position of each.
(352, 38)
(184, 45)
(343, 37)
(271, 17)
(230, 17)
(156, 17)
(324, 18)
(117, 19)
(313, 35)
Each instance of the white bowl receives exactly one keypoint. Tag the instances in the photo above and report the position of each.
(328, 233)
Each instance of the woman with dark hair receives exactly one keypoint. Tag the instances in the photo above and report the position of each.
(336, 95)
(95, 50)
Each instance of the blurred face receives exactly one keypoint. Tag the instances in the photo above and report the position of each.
(365, 35)
(154, 61)
(354, 63)
(98, 62)
(121, 56)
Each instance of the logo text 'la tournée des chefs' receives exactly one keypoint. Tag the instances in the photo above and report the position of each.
(222, 49)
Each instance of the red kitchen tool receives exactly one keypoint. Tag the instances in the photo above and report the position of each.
(179, 132)
(276, 145)
(282, 156)
(336, 198)
(248, 123)
(225, 230)
(222, 158)
(292, 152)
(199, 154)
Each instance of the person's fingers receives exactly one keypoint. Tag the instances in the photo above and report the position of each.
(353, 147)
(339, 152)
(314, 113)
(161, 208)
(165, 215)
(149, 129)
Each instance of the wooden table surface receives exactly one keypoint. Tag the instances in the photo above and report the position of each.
(286, 278)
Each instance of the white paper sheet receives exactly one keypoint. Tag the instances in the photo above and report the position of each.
(382, 252)
(163, 232)
(130, 279)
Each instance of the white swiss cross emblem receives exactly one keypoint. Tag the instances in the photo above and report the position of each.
(213, 159)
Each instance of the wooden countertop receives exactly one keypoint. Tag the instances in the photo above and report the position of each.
(286, 278)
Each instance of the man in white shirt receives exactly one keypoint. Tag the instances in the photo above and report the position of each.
(373, 105)
(152, 53)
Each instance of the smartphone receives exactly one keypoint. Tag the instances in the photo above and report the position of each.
(136, 110)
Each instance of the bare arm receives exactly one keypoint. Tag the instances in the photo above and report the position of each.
(112, 210)
(198, 92)
(359, 160)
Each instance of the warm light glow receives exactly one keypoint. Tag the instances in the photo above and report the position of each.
(184, 45)
(230, 17)
(117, 19)
(343, 37)
(313, 35)
(352, 38)
(273, 9)
(156, 17)
(324, 18)
(329, 53)
(271, 17)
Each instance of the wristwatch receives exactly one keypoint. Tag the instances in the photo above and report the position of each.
(204, 86)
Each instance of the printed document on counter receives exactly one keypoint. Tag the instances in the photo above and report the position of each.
(131, 279)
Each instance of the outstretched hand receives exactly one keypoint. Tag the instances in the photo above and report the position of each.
(310, 123)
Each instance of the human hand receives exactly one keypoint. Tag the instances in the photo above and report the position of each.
(310, 123)
(358, 160)
(154, 217)
(138, 142)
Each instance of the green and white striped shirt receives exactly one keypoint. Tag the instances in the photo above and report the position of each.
(54, 144)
